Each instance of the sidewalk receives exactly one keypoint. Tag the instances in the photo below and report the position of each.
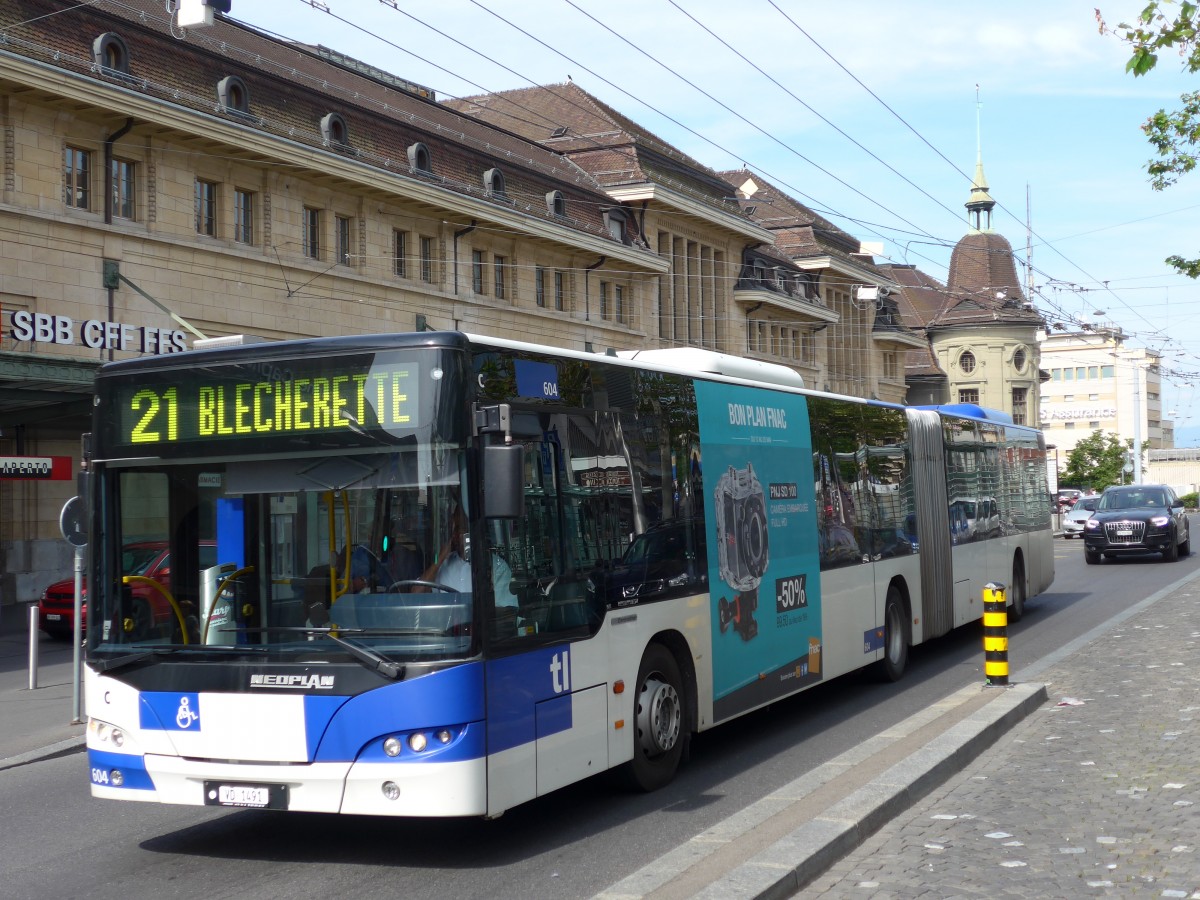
(36, 723)
(1097, 793)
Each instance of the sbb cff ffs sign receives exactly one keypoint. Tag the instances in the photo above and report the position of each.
(47, 329)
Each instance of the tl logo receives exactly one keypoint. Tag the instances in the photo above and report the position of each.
(560, 671)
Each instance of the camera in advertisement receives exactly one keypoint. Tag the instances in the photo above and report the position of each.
(742, 547)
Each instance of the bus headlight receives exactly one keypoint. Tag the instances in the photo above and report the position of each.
(105, 733)
(391, 746)
(417, 742)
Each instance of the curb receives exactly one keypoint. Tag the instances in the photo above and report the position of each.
(793, 861)
(60, 748)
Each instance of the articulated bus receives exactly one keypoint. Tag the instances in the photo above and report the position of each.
(437, 574)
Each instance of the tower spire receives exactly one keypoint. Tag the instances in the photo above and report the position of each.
(980, 203)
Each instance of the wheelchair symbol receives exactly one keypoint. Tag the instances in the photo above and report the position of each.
(185, 716)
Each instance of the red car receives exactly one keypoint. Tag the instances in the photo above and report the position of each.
(151, 559)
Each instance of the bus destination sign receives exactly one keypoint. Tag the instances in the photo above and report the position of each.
(211, 406)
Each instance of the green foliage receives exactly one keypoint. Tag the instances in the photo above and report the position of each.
(1098, 460)
(1190, 500)
(1165, 25)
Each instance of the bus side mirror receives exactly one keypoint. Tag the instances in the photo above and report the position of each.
(83, 490)
(504, 481)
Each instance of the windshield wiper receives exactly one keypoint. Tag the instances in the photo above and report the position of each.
(120, 662)
(376, 662)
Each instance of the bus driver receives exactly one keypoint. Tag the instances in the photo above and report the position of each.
(452, 569)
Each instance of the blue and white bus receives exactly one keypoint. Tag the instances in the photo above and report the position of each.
(439, 575)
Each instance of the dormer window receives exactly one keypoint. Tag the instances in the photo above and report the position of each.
(966, 362)
(232, 93)
(556, 203)
(493, 183)
(110, 54)
(333, 130)
(418, 159)
(760, 272)
(614, 223)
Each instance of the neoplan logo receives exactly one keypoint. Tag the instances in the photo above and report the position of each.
(310, 682)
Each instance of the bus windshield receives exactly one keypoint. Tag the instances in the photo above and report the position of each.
(238, 536)
(268, 554)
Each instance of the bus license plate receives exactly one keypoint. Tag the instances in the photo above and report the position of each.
(251, 796)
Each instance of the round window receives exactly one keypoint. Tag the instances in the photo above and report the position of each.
(966, 362)
(1019, 360)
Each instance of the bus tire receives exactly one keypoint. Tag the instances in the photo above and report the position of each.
(1017, 591)
(895, 636)
(660, 726)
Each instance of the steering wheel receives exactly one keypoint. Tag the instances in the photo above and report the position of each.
(419, 583)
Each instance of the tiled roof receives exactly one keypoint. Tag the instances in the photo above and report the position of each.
(291, 87)
(922, 297)
(604, 142)
(982, 262)
(922, 364)
(799, 231)
(971, 300)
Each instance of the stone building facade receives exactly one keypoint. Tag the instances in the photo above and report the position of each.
(158, 187)
(1096, 383)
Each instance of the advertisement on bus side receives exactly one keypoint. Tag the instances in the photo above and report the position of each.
(764, 569)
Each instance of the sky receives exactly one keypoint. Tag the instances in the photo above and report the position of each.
(872, 114)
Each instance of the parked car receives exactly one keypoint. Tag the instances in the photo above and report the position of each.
(1067, 498)
(1073, 521)
(1137, 518)
(152, 559)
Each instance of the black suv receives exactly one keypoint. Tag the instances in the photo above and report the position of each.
(1136, 518)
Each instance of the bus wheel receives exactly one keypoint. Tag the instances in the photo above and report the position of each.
(1017, 590)
(895, 636)
(660, 727)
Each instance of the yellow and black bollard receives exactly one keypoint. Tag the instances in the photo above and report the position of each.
(995, 634)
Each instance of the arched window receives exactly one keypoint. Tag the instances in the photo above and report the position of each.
(493, 183)
(333, 129)
(418, 159)
(966, 362)
(111, 54)
(232, 93)
(556, 203)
